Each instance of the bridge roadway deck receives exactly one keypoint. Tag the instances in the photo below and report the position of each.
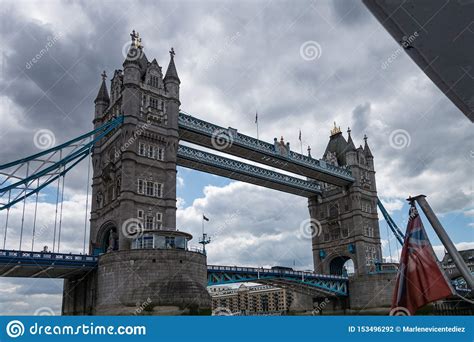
(218, 165)
(45, 265)
(203, 133)
(28, 264)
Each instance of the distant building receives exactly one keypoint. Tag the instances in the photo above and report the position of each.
(250, 300)
(451, 269)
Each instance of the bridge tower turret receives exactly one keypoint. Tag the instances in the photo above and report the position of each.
(347, 216)
(101, 101)
(143, 257)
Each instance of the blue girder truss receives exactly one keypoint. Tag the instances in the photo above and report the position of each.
(27, 176)
(204, 128)
(234, 168)
(327, 284)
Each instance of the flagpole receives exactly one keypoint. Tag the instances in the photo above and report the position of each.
(301, 143)
(444, 237)
(202, 224)
(256, 121)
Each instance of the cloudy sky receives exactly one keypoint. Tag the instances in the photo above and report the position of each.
(301, 64)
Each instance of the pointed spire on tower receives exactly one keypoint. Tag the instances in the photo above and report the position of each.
(367, 151)
(171, 73)
(103, 94)
(350, 143)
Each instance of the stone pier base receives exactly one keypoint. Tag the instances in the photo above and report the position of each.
(142, 282)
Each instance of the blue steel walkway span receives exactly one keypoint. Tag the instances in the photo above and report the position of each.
(211, 163)
(45, 264)
(228, 140)
(61, 265)
(306, 282)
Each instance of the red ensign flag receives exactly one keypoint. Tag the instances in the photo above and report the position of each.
(420, 279)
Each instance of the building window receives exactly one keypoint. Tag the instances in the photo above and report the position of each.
(140, 214)
(159, 219)
(169, 242)
(148, 242)
(141, 189)
(149, 222)
(366, 206)
(154, 102)
(369, 229)
(154, 81)
(158, 190)
(160, 154)
(141, 149)
(149, 188)
(151, 151)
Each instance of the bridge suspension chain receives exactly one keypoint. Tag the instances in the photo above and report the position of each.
(25, 177)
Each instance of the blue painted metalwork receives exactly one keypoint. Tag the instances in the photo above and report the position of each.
(23, 258)
(238, 167)
(191, 123)
(332, 284)
(49, 171)
(393, 226)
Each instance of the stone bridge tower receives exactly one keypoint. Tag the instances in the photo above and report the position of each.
(347, 217)
(145, 265)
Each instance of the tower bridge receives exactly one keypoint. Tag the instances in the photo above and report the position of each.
(135, 251)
